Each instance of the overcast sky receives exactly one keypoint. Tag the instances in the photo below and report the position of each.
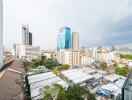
(106, 22)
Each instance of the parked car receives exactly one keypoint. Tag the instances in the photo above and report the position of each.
(103, 92)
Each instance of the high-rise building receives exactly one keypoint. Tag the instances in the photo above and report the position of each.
(64, 38)
(25, 34)
(1, 34)
(75, 41)
(30, 38)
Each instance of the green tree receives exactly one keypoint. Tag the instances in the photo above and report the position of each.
(56, 72)
(48, 63)
(43, 57)
(77, 92)
(65, 66)
(54, 92)
(35, 63)
(122, 71)
(114, 65)
(128, 56)
(103, 65)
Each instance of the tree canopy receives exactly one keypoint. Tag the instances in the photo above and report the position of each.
(103, 65)
(60, 68)
(128, 56)
(122, 71)
(54, 92)
(43, 61)
(75, 92)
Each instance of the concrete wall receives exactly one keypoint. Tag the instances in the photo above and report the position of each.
(1, 34)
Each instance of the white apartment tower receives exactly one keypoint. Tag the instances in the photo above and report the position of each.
(1, 34)
(25, 34)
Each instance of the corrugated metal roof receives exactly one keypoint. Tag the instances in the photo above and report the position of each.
(37, 82)
(77, 76)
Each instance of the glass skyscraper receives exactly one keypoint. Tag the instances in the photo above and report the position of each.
(64, 38)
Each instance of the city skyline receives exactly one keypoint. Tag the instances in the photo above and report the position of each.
(109, 26)
(65, 50)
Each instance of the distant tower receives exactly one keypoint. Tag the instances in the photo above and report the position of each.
(75, 41)
(64, 38)
(112, 48)
(1, 34)
(25, 34)
(30, 38)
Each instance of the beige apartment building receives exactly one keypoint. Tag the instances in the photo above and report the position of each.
(75, 41)
(70, 57)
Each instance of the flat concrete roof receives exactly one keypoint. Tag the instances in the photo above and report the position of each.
(9, 82)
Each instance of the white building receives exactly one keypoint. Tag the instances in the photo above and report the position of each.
(128, 62)
(1, 34)
(91, 52)
(63, 56)
(69, 57)
(87, 60)
(26, 52)
(48, 54)
(108, 57)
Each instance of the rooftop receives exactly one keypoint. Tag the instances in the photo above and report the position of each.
(112, 77)
(38, 81)
(10, 82)
(76, 75)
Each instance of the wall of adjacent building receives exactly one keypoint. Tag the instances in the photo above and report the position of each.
(1, 33)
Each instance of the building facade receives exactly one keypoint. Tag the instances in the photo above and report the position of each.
(25, 34)
(69, 57)
(76, 58)
(30, 38)
(1, 34)
(26, 51)
(64, 38)
(127, 88)
(75, 41)
(87, 60)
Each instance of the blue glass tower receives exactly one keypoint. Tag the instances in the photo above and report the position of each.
(64, 38)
